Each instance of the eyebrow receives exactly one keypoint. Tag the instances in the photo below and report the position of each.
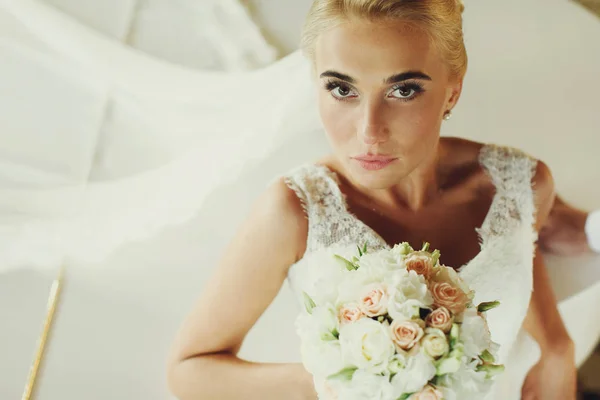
(404, 76)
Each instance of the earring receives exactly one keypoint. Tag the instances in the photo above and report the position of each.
(447, 115)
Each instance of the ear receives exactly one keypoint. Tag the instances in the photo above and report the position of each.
(454, 92)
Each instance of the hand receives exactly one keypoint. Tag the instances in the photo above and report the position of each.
(554, 377)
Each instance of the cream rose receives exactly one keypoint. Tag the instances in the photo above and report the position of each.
(428, 393)
(421, 262)
(440, 319)
(434, 343)
(449, 296)
(374, 300)
(349, 313)
(406, 334)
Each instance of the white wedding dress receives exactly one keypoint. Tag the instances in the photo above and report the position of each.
(501, 271)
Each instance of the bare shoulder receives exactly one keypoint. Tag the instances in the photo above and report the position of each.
(462, 150)
(543, 186)
(279, 214)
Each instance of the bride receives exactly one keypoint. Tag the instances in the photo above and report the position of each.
(389, 73)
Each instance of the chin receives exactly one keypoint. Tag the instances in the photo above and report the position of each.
(378, 179)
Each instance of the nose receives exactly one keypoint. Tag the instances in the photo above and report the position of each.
(373, 128)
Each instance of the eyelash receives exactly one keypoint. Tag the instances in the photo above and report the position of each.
(331, 85)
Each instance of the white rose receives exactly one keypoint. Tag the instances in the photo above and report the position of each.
(322, 358)
(379, 264)
(408, 293)
(325, 273)
(467, 383)
(328, 389)
(418, 372)
(351, 288)
(322, 324)
(447, 393)
(396, 363)
(366, 344)
(366, 385)
(474, 333)
(435, 344)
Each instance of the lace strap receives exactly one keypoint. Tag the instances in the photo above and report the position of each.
(317, 188)
(512, 172)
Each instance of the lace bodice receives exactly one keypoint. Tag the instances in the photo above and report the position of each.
(501, 271)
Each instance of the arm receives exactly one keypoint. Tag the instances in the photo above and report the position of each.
(543, 321)
(203, 362)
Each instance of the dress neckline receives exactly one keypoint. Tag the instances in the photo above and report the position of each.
(334, 176)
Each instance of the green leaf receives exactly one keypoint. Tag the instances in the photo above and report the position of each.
(309, 304)
(436, 257)
(487, 357)
(365, 248)
(425, 246)
(454, 335)
(344, 375)
(360, 253)
(404, 248)
(350, 266)
(487, 306)
(405, 396)
(491, 370)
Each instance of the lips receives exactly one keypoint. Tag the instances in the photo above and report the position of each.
(372, 162)
(374, 158)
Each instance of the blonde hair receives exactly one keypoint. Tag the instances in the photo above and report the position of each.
(440, 19)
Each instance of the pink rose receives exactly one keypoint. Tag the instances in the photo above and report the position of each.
(449, 275)
(440, 319)
(375, 300)
(449, 296)
(406, 334)
(428, 393)
(421, 263)
(349, 313)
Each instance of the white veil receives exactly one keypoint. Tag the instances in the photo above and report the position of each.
(171, 137)
(127, 144)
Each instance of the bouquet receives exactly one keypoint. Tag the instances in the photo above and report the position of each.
(394, 325)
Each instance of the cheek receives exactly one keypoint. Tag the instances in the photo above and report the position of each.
(415, 121)
(338, 122)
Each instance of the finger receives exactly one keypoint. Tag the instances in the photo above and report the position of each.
(528, 392)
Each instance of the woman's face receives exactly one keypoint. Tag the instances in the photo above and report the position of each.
(384, 92)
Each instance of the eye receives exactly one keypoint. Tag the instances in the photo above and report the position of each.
(406, 91)
(340, 90)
